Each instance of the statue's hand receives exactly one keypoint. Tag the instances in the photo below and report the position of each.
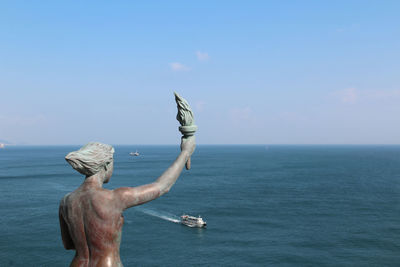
(188, 144)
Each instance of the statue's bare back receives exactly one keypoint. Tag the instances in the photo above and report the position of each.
(95, 226)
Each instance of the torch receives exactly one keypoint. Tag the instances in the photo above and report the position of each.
(185, 118)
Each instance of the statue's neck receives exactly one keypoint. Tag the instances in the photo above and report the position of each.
(94, 180)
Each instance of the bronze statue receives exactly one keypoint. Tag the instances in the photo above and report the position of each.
(91, 217)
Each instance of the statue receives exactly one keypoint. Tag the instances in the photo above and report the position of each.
(91, 217)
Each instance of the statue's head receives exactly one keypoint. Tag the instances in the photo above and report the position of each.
(93, 158)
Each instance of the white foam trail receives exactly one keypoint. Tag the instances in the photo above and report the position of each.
(162, 215)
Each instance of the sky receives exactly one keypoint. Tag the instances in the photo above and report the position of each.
(254, 72)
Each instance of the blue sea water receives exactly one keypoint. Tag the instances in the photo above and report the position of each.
(264, 206)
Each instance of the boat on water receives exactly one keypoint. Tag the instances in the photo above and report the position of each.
(192, 221)
(134, 153)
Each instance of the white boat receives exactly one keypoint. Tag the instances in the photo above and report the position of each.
(192, 221)
(134, 153)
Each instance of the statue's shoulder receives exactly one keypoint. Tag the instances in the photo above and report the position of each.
(64, 200)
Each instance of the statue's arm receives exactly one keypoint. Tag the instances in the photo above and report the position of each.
(66, 238)
(133, 196)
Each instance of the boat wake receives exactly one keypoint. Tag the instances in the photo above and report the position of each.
(162, 215)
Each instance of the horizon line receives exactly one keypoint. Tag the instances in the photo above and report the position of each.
(240, 144)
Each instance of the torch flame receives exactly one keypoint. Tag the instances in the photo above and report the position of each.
(185, 114)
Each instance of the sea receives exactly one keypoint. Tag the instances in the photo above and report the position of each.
(276, 205)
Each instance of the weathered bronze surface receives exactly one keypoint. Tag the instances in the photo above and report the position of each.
(91, 217)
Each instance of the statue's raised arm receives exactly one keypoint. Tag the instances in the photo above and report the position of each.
(132, 196)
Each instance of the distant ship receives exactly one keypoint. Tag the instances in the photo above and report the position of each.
(134, 153)
(192, 221)
(2, 145)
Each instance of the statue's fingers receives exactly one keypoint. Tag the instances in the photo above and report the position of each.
(188, 162)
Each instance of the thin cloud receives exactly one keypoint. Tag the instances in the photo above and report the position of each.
(22, 120)
(176, 66)
(353, 95)
(348, 28)
(348, 95)
(202, 56)
(241, 115)
(383, 94)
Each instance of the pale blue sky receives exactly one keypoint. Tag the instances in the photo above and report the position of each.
(255, 72)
